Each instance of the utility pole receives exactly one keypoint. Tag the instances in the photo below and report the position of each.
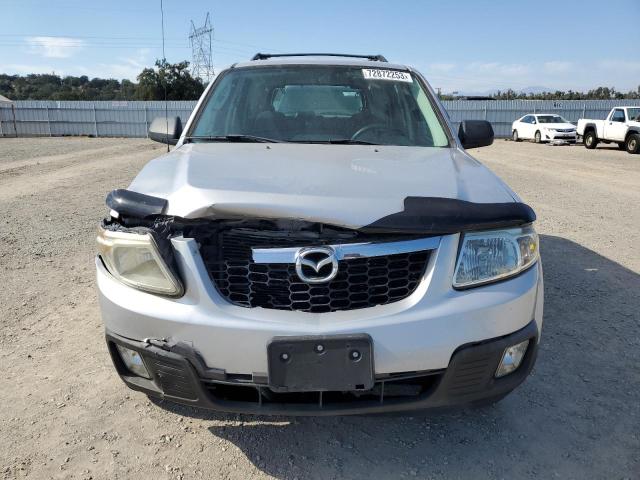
(201, 55)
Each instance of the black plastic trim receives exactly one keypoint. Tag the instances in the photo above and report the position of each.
(134, 204)
(266, 56)
(441, 216)
(307, 365)
(420, 216)
(468, 379)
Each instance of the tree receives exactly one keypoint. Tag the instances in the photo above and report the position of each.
(180, 86)
(179, 83)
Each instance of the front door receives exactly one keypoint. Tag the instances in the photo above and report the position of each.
(615, 127)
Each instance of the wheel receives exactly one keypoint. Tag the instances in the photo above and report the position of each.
(633, 143)
(590, 140)
(514, 136)
(538, 137)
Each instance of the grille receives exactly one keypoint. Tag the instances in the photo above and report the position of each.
(407, 387)
(360, 282)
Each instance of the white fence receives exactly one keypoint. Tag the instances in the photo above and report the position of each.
(96, 119)
(502, 113)
(132, 119)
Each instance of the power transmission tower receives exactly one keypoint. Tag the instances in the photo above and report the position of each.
(201, 56)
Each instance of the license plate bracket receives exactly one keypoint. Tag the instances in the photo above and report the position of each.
(321, 363)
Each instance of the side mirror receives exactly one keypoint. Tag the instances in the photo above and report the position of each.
(475, 133)
(165, 130)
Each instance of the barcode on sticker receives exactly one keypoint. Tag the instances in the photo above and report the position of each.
(381, 74)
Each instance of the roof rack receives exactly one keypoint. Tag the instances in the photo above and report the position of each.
(265, 56)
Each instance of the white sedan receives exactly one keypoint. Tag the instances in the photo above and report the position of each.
(543, 128)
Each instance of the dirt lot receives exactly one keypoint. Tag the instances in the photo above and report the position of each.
(65, 414)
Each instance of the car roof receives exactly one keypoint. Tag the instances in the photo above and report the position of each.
(320, 60)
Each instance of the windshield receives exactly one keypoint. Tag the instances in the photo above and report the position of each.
(320, 104)
(552, 119)
(633, 114)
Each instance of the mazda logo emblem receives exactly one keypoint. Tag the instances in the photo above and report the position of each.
(316, 265)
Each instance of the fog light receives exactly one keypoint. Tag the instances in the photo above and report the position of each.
(133, 361)
(511, 358)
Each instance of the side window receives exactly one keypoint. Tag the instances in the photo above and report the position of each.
(618, 116)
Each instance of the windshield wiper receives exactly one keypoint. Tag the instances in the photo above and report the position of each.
(350, 141)
(337, 141)
(234, 138)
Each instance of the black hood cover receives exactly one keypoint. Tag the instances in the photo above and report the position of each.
(421, 215)
(433, 215)
(134, 204)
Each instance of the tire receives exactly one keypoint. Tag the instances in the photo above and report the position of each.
(590, 140)
(514, 136)
(633, 143)
(537, 138)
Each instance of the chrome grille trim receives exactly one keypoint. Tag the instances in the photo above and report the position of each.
(349, 250)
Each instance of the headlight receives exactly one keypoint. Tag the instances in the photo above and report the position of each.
(134, 259)
(494, 255)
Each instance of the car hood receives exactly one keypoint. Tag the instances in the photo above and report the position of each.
(561, 126)
(348, 185)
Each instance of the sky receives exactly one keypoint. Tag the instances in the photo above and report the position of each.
(470, 46)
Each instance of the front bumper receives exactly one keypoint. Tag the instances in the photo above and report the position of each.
(418, 333)
(567, 136)
(202, 349)
(179, 374)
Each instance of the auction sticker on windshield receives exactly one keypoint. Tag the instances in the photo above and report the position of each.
(380, 74)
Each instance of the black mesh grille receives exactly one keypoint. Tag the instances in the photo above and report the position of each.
(408, 388)
(360, 282)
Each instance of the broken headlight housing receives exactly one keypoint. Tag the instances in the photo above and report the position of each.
(494, 255)
(135, 260)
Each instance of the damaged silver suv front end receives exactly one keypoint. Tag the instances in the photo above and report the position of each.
(283, 271)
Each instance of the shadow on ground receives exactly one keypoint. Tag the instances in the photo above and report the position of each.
(577, 416)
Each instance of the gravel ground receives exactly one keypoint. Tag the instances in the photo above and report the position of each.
(65, 414)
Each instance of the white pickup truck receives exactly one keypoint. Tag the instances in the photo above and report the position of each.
(622, 126)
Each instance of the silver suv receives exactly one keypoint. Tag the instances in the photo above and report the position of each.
(319, 242)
